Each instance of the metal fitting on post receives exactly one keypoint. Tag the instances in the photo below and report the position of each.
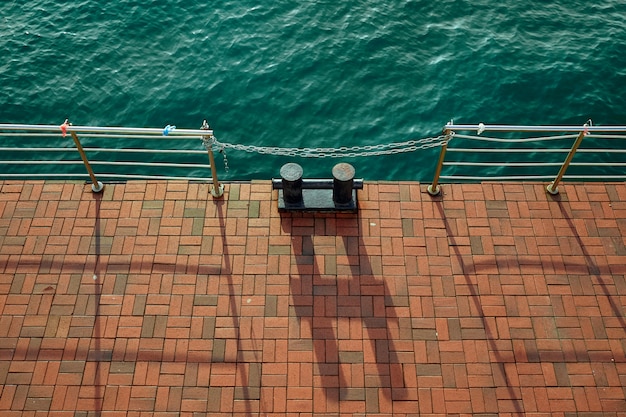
(552, 189)
(434, 191)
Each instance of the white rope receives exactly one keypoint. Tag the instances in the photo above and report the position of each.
(535, 139)
(168, 131)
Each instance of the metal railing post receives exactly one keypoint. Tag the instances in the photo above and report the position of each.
(218, 189)
(553, 187)
(96, 186)
(435, 189)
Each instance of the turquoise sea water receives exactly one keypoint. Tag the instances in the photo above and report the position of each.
(313, 73)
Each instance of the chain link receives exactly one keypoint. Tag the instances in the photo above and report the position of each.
(341, 152)
(223, 152)
(210, 142)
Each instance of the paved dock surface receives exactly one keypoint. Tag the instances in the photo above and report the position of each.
(154, 299)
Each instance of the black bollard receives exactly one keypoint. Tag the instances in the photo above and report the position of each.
(343, 179)
(291, 175)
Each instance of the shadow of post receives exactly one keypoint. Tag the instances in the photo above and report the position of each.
(96, 355)
(246, 393)
(338, 303)
(516, 400)
(594, 269)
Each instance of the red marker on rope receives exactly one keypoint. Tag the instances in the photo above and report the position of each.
(64, 126)
(586, 127)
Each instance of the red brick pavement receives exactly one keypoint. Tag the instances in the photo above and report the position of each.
(153, 299)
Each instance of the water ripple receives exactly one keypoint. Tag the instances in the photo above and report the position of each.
(314, 73)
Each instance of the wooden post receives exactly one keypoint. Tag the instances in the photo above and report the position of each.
(96, 186)
(553, 187)
(434, 189)
(217, 190)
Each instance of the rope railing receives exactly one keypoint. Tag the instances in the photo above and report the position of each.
(511, 150)
(481, 127)
(152, 132)
(62, 153)
(535, 150)
(53, 154)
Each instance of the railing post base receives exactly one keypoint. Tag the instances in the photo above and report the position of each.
(218, 191)
(552, 189)
(97, 187)
(434, 191)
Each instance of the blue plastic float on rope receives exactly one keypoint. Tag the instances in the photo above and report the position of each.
(168, 129)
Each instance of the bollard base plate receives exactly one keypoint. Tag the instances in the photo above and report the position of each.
(318, 200)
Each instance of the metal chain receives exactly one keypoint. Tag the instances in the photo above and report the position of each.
(341, 152)
(223, 152)
(210, 142)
